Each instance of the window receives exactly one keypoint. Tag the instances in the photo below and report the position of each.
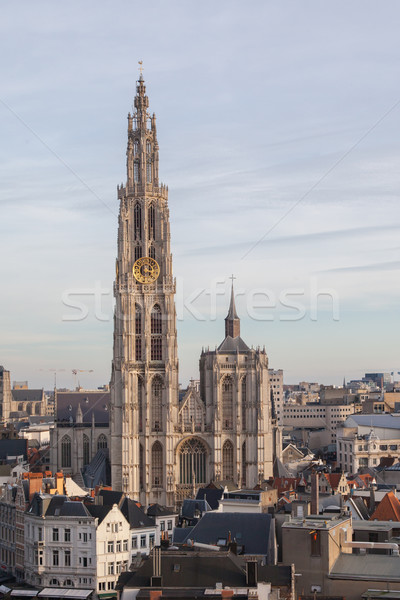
(136, 171)
(40, 534)
(227, 404)
(125, 545)
(55, 558)
(169, 525)
(66, 452)
(102, 442)
(55, 535)
(110, 547)
(162, 525)
(85, 537)
(148, 170)
(118, 546)
(86, 450)
(315, 543)
(137, 222)
(67, 558)
(243, 387)
(138, 332)
(152, 252)
(138, 252)
(152, 222)
(111, 568)
(140, 401)
(141, 466)
(134, 543)
(192, 460)
(244, 462)
(143, 541)
(67, 535)
(227, 461)
(156, 404)
(84, 561)
(157, 464)
(156, 333)
(151, 540)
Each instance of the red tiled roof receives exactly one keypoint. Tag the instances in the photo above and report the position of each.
(333, 479)
(286, 484)
(388, 509)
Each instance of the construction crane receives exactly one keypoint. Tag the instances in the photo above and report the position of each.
(75, 374)
(55, 371)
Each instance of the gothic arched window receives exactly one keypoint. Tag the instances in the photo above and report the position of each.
(157, 465)
(66, 452)
(192, 461)
(244, 400)
(37, 408)
(227, 404)
(20, 406)
(156, 404)
(138, 332)
(141, 466)
(152, 252)
(138, 252)
(156, 333)
(102, 442)
(29, 408)
(137, 222)
(244, 482)
(148, 170)
(136, 171)
(136, 147)
(86, 450)
(152, 222)
(140, 402)
(148, 148)
(227, 461)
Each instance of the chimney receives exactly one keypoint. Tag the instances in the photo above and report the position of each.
(59, 483)
(251, 573)
(156, 579)
(314, 494)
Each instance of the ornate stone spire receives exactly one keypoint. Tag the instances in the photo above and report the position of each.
(232, 321)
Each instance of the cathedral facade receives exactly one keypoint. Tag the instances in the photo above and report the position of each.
(164, 445)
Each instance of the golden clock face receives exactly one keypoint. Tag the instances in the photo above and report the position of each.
(146, 270)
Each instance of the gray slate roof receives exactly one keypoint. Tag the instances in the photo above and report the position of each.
(27, 395)
(233, 345)
(91, 403)
(372, 567)
(192, 570)
(251, 530)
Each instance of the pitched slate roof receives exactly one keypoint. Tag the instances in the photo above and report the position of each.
(157, 510)
(388, 509)
(27, 395)
(190, 507)
(56, 506)
(189, 570)
(135, 516)
(233, 345)
(251, 530)
(212, 495)
(91, 403)
(13, 448)
(98, 512)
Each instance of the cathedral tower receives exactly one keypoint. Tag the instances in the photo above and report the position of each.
(144, 384)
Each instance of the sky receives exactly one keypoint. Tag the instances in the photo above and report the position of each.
(278, 125)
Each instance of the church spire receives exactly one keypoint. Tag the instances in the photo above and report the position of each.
(232, 321)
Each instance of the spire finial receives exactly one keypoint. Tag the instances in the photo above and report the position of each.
(232, 321)
(140, 63)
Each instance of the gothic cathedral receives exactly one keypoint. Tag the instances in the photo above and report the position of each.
(163, 443)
